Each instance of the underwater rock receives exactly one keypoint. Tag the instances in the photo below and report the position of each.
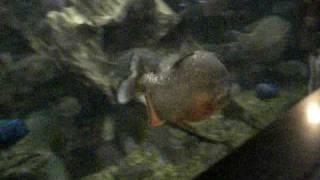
(231, 35)
(108, 130)
(130, 125)
(256, 73)
(89, 39)
(234, 53)
(259, 44)
(178, 5)
(79, 36)
(135, 173)
(102, 175)
(56, 121)
(314, 66)
(130, 145)
(22, 15)
(292, 71)
(75, 144)
(68, 107)
(207, 8)
(25, 165)
(56, 127)
(11, 131)
(173, 144)
(235, 89)
(157, 19)
(215, 7)
(309, 37)
(108, 154)
(32, 70)
(54, 4)
(13, 42)
(26, 160)
(284, 8)
(266, 91)
(260, 110)
(21, 79)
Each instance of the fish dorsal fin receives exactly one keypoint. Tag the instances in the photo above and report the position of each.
(181, 58)
(173, 61)
(154, 119)
(187, 49)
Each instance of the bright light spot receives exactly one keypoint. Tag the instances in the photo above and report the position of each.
(313, 113)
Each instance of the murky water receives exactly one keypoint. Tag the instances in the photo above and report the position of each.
(146, 89)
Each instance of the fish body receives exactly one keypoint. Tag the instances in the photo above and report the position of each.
(11, 131)
(193, 88)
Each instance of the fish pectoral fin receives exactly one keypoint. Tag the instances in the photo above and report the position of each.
(127, 90)
(154, 119)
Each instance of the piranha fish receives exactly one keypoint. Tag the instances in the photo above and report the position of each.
(11, 131)
(184, 89)
(196, 86)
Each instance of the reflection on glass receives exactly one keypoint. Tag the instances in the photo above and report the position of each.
(313, 113)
